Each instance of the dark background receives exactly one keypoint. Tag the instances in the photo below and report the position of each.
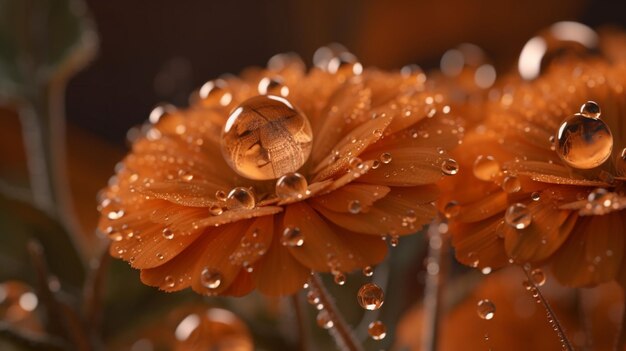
(160, 50)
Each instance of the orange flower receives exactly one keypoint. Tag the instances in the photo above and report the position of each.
(196, 203)
(541, 183)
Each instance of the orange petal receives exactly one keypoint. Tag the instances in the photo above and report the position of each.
(593, 252)
(408, 167)
(192, 193)
(441, 132)
(484, 208)
(550, 173)
(234, 216)
(478, 245)
(340, 199)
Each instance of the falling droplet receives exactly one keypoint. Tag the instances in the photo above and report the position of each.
(265, 138)
(240, 199)
(385, 157)
(168, 234)
(291, 185)
(584, 142)
(511, 184)
(210, 279)
(368, 271)
(486, 309)
(273, 86)
(354, 206)
(518, 216)
(377, 330)
(292, 237)
(486, 168)
(370, 296)
(451, 209)
(449, 167)
(538, 277)
(590, 109)
(324, 320)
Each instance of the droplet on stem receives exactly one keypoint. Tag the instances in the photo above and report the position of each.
(377, 330)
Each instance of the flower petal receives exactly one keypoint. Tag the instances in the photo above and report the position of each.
(409, 167)
(478, 245)
(340, 199)
(550, 173)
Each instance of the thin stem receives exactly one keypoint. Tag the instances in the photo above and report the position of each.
(554, 321)
(303, 335)
(94, 289)
(436, 273)
(620, 342)
(341, 331)
(29, 340)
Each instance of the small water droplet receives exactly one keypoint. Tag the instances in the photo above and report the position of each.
(354, 206)
(168, 234)
(518, 216)
(266, 137)
(486, 167)
(215, 93)
(292, 237)
(324, 320)
(216, 210)
(221, 195)
(486, 309)
(511, 184)
(394, 240)
(210, 279)
(370, 296)
(451, 209)
(170, 282)
(377, 330)
(538, 277)
(590, 109)
(368, 271)
(339, 278)
(312, 297)
(385, 158)
(449, 167)
(535, 196)
(273, 86)
(240, 198)
(291, 185)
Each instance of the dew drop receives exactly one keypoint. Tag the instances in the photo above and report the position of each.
(584, 142)
(168, 234)
(210, 279)
(273, 86)
(394, 240)
(535, 196)
(538, 277)
(486, 309)
(291, 185)
(368, 271)
(449, 167)
(451, 209)
(385, 157)
(170, 282)
(215, 93)
(486, 167)
(370, 296)
(292, 237)
(590, 109)
(511, 184)
(324, 320)
(216, 210)
(312, 297)
(266, 137)
(518, 216)
(339, 278)
(221, 195)
(240, 198)
(377, 330)
(354, 206)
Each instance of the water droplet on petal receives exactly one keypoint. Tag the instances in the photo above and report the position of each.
(220, 195)
(511, 184)
(377, 330)
(370, 296)
(590, 109)
(584, 142)
(170, 282)
(385, 157)
(354, 206)
(449, 167)
(216, 210)
(451, 209)
(292, 237)
(535, 196)
(240, 198)
(265, 138)
(312, 297)
(518, 216)
(291, 185)
(210, 279)
(486, 167)
(168, 234)
(486, 309)
(538, 277)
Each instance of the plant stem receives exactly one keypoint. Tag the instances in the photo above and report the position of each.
(303, 335)
(341, 331)
(620, 342)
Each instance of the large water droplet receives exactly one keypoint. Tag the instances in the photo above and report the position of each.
(210, 279)
(240, 199)
(292, 236)
(486, 309)
(486, 167)
(449, 167)
(266, 137)
(291, 185)
(584, 142)
(377, 330)
(370, 296)
(518, 216)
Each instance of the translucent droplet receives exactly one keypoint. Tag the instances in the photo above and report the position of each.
(370, 296)
(538, 277)
(354, 206)
(535, 196)
(449, 167)
(345, 63)
(451, 209)
(377, 330)
(385, 157)
(324, 320)
(511, 184)
(273, 86)
(312, 297)
(216, 210)
(584, 142)
(473, 259)
(339, 278)
(486, 167)
(486, 309)
(590, 109)
(368, 271)
(215, 93)
(394, 240)
(292, 236)
(518, 216)
(266, 137)
(221, 195)
(596, 194)
(210, 279)
(291, 185)
(170, 282)
(240, 198)
(168, 234)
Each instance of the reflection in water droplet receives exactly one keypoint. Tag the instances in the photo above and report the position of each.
(584, 142)
(210, 279)
(312, 297)
(291, 185)
(590, 109)
(535, 196)
(486, 168)
(324, 320)
(292, 237)
(168, 234)
(486, 309)
(370, 296)
(385, 157)
(368, 271)
(339, 278)
(266, 137)
(518, 216)
(449, 167)
(216, 210)
(354, 206)
(240, 199)
(377, 330)
(538, 277)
